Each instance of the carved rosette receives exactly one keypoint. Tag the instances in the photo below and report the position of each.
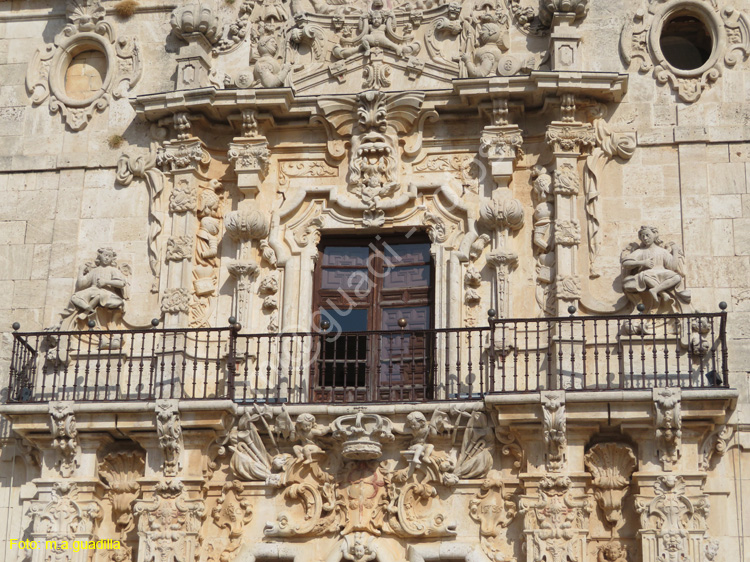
(611, 466)
(86, 32)
(362, 435)
(640, 44)
(175, 301)
(65, 437)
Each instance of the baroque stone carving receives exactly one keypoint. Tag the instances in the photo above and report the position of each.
(674, 521)
(494, 509)
(668, 425)
(102, 287)
(556, 521)
(639, 45)
(179, 248)
(578, 8)
(610, 146)
(543, 240)
(169, 432)
(373, 120)
(65, 437)
(554, 429)
(169, 523)
(232, 512)
(362, 435)
(652, 274)
(51, 67)
(57, 524)
(120, 472)
(714, 445)
(612, 552)
(175, 301)
(145, 167)
(611, 466)
(487, 40)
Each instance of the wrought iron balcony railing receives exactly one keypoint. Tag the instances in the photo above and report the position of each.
(507, 356)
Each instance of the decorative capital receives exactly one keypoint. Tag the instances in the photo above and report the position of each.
(571, 138)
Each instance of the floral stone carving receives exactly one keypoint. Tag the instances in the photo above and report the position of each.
(640, 44)
(611, 466)
(668, 425)
(85, 67)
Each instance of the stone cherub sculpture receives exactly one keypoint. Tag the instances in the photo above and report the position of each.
(303, 431)
(654, 273)
(612, 552)
(377, 29)
(100, 286)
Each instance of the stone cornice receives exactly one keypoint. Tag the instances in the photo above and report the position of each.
(529, 89)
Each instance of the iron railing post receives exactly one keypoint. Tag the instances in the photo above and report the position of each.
(491, 353)
(723, 342)
(234, 328)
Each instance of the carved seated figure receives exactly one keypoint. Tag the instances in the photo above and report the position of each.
(268, 71)
(652, 271)
(376, 37)
(101, 285)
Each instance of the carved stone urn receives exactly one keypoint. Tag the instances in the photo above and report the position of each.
(362, 435)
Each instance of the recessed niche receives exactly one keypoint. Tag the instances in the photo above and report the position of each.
(686, 41)
(85, 74)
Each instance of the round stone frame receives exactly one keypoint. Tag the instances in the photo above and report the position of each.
(705, 15)
(66, 51)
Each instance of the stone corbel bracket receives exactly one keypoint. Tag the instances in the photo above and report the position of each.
(554, 429)
(668, 426)
(640, 44)
(169, 432)
(85, 33)
(65, 437)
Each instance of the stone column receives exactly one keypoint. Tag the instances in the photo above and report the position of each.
(181, 159)
(565, 38)
(568, 139)
(500, 211)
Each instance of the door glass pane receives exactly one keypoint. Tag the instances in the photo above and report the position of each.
(402, 254)
(346, 256)
(346, 280)
(415, 276)
(354, 320)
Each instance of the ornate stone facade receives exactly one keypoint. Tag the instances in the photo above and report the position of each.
(375, 280)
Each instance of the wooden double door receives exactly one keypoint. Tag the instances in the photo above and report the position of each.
(377, 296)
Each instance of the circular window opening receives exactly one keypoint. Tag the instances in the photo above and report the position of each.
(685, 42)
(85, 74)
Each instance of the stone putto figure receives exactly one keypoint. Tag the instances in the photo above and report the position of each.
(100, 285)
(653, 272)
